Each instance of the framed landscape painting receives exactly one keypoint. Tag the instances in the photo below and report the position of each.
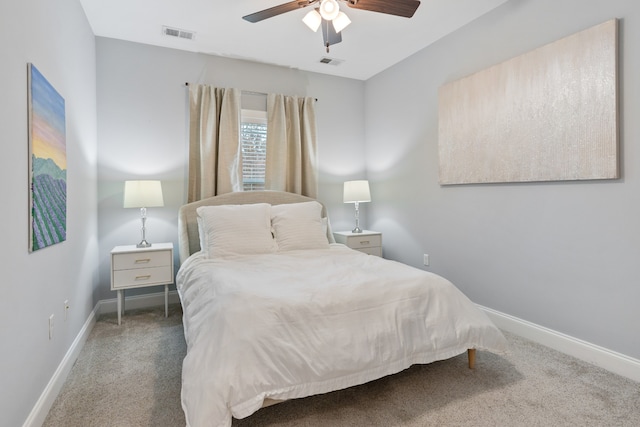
(47, 163)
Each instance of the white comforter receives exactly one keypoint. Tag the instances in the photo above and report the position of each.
(299, 323)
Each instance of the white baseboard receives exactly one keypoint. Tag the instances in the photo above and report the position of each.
(137, 301)
(43, 405)
(607, 359)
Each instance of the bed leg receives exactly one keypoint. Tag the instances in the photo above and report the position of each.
(471, 353)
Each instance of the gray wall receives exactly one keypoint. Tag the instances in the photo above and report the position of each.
(143, 125)
(57, 39)
(561, 255)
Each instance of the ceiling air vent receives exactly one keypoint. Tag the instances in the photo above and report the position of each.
(330, 61)
(177, 32)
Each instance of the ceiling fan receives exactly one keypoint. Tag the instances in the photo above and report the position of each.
(328, 11)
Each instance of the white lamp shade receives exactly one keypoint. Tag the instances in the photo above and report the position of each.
(329, 9)
(143, 194)
(340, 22)
(313, 20)
(356, 191)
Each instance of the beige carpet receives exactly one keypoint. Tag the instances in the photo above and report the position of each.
(129, 375)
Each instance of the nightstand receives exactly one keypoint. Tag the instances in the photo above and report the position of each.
(133, 267)
(369, 242)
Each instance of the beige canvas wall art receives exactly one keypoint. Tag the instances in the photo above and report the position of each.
(547, 115)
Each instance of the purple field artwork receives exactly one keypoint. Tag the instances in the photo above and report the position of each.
(48, 163)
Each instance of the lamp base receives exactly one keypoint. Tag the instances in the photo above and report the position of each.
(357, 228)
(143, 244)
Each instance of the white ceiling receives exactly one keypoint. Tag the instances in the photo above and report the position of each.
(372, 43)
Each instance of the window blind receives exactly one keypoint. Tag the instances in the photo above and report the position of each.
(253, 135)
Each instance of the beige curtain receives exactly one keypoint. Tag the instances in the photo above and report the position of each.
(215, 160)
(291, 163)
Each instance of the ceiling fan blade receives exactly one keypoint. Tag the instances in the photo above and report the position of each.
(277, 10)
(404, 8)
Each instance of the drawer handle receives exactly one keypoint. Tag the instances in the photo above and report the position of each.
(148, 276)
(364, 242)
(142, 261)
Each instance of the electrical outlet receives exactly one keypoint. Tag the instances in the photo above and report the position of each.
(51, 327)
(66, 309)
(425, 259)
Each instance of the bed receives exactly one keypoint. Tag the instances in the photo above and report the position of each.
(274, 309)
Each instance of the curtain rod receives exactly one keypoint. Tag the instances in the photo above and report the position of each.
(250, 92)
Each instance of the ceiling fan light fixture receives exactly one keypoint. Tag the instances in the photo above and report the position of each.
(313, 20)
(341, 21)
(329, 9)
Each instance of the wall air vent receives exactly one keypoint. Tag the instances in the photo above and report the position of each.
(330, 61)
(177, 32)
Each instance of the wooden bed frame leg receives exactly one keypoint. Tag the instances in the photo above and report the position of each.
(472, 357)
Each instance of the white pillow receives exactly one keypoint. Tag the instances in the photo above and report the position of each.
(236, 229)
(299, 226)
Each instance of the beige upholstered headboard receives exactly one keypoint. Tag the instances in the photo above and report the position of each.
(188, 238)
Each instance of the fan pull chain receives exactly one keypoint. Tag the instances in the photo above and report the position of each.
(327, 24)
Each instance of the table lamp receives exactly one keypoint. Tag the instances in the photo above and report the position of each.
(357, 192)
(143, 194)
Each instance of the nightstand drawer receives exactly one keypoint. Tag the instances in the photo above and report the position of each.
(369, 242)
(141, 277)
(358, 242)
(377, 250)
(146, 259)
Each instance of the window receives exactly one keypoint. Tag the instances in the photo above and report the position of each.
(253, 138)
